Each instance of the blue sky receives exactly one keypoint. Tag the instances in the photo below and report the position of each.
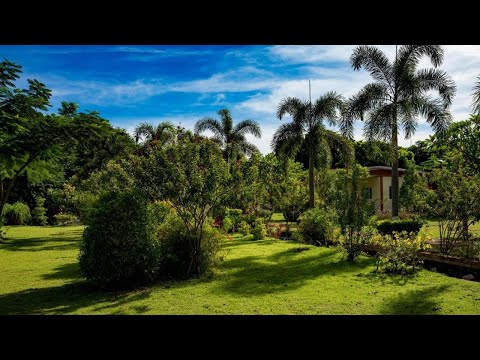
(129, 84)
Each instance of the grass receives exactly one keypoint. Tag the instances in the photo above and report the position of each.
(40, 275)
(432, 229)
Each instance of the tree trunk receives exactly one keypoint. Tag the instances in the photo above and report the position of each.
(311, 180)
(395, 182)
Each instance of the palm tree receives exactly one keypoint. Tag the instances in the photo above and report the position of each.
(152, 135)
(307, 129)
(230, 138)
(399, 94)
(476, 97)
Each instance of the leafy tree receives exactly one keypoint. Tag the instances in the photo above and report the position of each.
(307, 129)
(231, 138)
(154, 136)
(463, 137)
(456, 203)
(398, 96)
(193, 178)
(353, 208)
(30, 141)
(413, 191)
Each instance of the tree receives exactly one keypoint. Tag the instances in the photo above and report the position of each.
(231, 138)
(398, 96)
(476, 98)
(153, 136)
(307, 129)
(30, 141)
(192, 177)
(413, 191)
(353, 208)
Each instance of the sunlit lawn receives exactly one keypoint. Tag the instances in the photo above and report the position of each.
(40, 275)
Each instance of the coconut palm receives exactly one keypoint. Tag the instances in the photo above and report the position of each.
(306, 129)
(476, 97)
(153, 136)
(398, 96)
(231, 138)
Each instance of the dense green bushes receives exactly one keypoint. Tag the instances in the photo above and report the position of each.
(388, 227)
(317, 226)
(16, 214)
(119, 247)
(39, 216)
(260, 230)
(175, 251)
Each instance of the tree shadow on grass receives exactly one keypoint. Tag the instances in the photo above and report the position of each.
(415, 302)
(68, 298)
(65, 271)
(383, 279)
(287, 270)
(62, 241)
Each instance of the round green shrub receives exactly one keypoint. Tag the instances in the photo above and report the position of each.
(176, 254)
(317, 226)
(119, 248)
(244, 228)
(227, 224)
(39, 216)
(260, 230)
(16, 214)
(388, 227)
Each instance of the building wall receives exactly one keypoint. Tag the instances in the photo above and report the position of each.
(374, 183)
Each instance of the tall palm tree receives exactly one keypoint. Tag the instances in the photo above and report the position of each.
(476, 97)
(231, 138)
(307, 129)
(398, 96)
(153, 136)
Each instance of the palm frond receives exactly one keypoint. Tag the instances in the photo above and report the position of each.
(434, 111)
(434, 79)
(340, 143)
(209, 124)
(248, 127)
(378, 124)
(326, 107)
(294, 107)
(287, 139)
(144, 130)
(374, 61)
(227, 121)
(408, 56)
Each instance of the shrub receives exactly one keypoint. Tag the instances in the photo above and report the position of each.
(236, 216)
(388, 227)
(259, 231)
(244, 228)
(65, 219)
(119, 247)
(265, 214)
(317, 227)
(249, 219)
(399, 252)
(175, 253)
(39, 217)
(227, 224)
(16, 214)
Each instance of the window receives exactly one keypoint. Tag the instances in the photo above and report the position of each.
(368, 191)
(390, 192)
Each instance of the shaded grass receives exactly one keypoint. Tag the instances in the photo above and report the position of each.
(40, 275)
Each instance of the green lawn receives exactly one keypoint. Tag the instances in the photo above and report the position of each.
(40, 275)
(432, 228)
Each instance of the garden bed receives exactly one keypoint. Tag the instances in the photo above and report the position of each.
(450, 265)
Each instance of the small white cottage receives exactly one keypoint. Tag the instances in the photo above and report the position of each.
(379, 186)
